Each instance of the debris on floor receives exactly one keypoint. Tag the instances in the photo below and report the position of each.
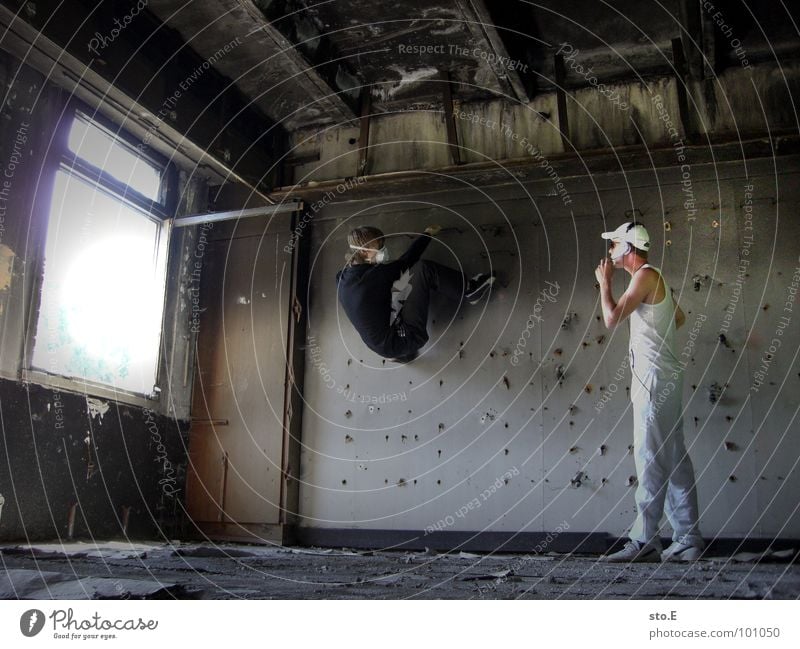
(36, 584)
(237, 571)
(772, 556)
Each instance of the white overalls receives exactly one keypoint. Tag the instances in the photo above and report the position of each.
(663, 467)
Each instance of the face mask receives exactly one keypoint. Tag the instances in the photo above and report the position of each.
(623, 251)
(381, 257)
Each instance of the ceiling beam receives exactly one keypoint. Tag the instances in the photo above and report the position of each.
(363, 136)
(449, 119)
(480, 23)
(692, 38)
(622, 160)
(330, 78)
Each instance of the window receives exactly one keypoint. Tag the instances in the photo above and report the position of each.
(99, 148)
(103, 284)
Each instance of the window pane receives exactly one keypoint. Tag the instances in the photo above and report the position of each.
(99, 149)
(103, 290)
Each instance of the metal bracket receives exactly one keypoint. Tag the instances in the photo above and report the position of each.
(214, 217)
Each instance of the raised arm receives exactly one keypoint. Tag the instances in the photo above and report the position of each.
(417, 247)
(615, 312)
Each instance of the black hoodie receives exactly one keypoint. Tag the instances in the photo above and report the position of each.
(365, 292)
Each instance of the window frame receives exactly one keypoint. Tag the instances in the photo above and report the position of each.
(160, 212)
(75, 164)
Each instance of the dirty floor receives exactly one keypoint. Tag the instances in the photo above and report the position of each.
(121, 570)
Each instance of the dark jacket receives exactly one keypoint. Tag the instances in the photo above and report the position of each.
(365, 293)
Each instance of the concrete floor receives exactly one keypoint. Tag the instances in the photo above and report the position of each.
(207, 571)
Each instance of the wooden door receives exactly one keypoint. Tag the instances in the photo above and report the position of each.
(237, 433)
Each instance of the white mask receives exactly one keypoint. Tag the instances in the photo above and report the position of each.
(381, 257)
(622, 252)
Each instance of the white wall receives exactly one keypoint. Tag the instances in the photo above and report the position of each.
(410, 463)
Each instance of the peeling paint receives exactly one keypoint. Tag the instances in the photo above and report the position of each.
(96, 407)
(448, 27)
(408, 78)
(7, 257)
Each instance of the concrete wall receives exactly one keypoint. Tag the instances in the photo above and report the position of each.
(465, 439)
(68, 471)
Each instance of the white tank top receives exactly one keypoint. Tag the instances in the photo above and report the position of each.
(652, 343)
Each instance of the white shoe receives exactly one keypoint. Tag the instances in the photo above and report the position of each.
(682, 552)
(634, 552)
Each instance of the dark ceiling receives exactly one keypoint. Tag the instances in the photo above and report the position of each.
(306, 63)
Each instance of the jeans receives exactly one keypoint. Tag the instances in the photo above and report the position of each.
(426, 277)
(665, 472)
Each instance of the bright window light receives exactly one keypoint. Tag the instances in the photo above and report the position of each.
(103, 291)
(91, 143)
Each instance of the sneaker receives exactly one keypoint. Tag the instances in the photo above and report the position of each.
(404, 359)
(478, 286)
(682, 552)
(634, 552)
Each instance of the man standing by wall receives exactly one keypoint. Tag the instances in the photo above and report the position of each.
(663, 468)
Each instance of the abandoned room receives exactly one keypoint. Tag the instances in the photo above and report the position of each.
(194, 195)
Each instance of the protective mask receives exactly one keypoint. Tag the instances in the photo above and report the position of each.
(623, 251)
(382, 256)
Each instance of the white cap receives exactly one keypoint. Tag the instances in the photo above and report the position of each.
(631, 232)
